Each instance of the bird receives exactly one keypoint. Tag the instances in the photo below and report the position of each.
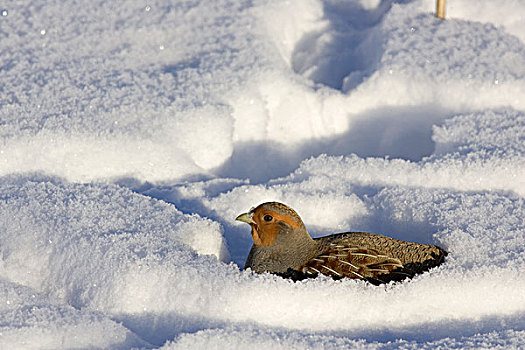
(283, 246)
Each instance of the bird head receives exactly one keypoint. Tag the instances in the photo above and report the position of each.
(274, 223)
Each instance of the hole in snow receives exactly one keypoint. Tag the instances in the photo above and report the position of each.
(346, 51)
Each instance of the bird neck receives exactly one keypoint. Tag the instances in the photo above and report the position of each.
(290, 250)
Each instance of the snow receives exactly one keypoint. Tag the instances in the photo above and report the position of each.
(33, 321)
(133, 133)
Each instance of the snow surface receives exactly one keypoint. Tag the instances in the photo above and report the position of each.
(133, 133)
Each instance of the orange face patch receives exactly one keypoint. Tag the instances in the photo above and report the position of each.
(265, 232)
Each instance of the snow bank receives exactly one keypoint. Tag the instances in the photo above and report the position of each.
(59, 233)
(257, 339)
(29, 320)
(462, 162)
(457, 65)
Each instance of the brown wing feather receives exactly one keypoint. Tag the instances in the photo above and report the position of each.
(373, 257)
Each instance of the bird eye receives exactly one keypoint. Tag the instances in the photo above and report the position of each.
(268, 218)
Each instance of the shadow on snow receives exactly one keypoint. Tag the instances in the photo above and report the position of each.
(397, 132)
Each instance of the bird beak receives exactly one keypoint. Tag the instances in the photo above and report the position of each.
(246, 217)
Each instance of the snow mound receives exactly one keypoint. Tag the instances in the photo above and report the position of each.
(455, 64)
(271, 339)
(56, 233)
(462, 159)
(501, 131)
(29, 320)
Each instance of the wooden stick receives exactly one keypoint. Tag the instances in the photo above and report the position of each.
(440, 9)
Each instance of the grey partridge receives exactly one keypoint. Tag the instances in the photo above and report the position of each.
(283, 246)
